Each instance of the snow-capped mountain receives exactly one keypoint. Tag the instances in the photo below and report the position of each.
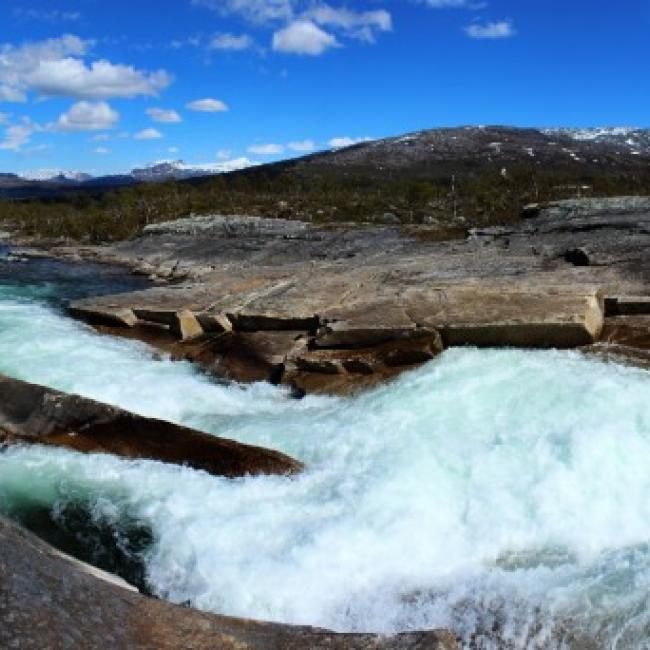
(177, 169)
(56, 176)
(633, 140)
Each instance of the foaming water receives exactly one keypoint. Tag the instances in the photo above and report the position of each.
(500, 493)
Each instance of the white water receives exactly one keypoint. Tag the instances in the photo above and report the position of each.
(503, 488)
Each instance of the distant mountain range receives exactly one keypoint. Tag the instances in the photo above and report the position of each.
(436, 152)
(52, 182)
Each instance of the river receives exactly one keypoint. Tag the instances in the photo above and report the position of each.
(503, 494)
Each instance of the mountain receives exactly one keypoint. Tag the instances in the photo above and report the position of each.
(177, 170)
(478, 147)
(451, 178)
(49, 183)
(57, 176)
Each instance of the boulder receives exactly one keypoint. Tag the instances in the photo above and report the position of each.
(35, 414)
(49, 601)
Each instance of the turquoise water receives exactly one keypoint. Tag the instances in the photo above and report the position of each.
(501, 493)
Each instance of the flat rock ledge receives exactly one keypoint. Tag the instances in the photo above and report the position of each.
(49, 601)
(315, 344)
(31, 414)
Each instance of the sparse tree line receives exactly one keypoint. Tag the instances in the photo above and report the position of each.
(326, 194)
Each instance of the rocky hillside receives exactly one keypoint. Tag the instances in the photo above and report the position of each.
(455, 149)
(454, 178)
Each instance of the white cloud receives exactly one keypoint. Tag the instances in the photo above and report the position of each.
(443, 4)
(303, 37)
(303, 146)
(224, 154)
(56, 68)
(4, 118)
(299, 24)
(266, 149)
(9, 94)
(102, 151)
(344, 141)
(18, 135)
(164, 115)
(208, 106)
(102, 137)
(493, 30)
(361, 25)
(231, 42)
(257, 11)
(173, 149)
(86, 116)
(148, 134)
(71, 77)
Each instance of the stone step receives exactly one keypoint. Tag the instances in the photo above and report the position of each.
(627, 305)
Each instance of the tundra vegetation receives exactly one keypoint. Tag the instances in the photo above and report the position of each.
(325, 195)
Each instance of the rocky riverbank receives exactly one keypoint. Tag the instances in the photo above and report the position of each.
(334, 309)
(48, 600)
(320, 309)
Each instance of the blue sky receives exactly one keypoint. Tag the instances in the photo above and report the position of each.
(105, 86)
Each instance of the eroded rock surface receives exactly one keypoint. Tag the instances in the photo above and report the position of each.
(48, 601)
(253, 298)
(35, 414)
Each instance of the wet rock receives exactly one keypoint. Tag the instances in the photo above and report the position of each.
(35, 414)
(49, 601)
(118, 317)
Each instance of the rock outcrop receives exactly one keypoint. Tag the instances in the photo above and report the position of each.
(35, 414)
(335, 308)
(49, 601)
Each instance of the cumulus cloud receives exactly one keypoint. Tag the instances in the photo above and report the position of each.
(164, 115)
(86, 116)
(18, 135)
(56, 68)
(266, 149)
(102, 151)
(492, 30)
(306, 26)
(230, 42)
(148, 134)
(303, 37)
(361, 25)
(302, 146)
(71, 77)
(208, 105)
(345, 141)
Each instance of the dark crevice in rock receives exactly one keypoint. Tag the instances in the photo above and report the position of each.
(577, 257)
(118, 547)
